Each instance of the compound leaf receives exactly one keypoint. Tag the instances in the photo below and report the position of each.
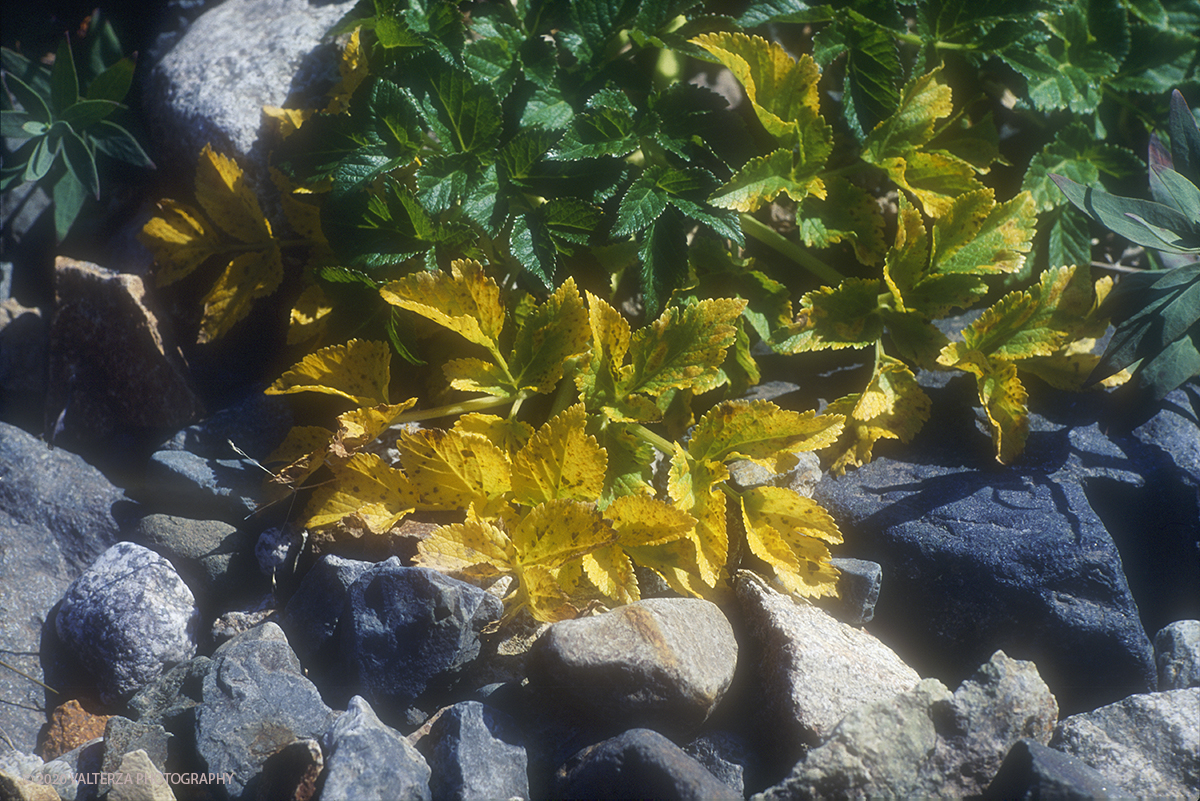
(761, 432)
(359, 370)
(451, 470)
(560, 461)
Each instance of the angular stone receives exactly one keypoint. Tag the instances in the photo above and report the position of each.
(256, 424)
(1145, 745)
(858, 591)
(811, 670)
(662, 663)
(71, 726)
(24, 334)
(212, 556)
(20, 789)
(410, 630)
(1016, 560)
(640, 763)
(256, 701)
(64, 772)
(801, 478)
(127, 618)
(110, 366)
(122, 735)
(190, 485)
(312, 614)
(369, 761)
(927, 742)
(475, 751)
(292, 773)
(176, 692)
(234, 59)
(1032, 770)
(725, 755)
(1177, 655)
(145, 780)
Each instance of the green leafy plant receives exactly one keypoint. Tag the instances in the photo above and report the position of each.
(566, 509)
(62, 130)
(1157, 314)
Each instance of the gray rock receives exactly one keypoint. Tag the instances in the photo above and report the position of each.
(64, 773)
(128, 618)
(1032, 770)
(122, 735)
(24, 333)
(662, 663)
(1145, 745)
(233, 623)
(145, 780)
(801, 478)
(19, 763)
(1177, 655)
(640, 763)
(726, 755)
(312, 614)
(121, 375)
(277, 549)
(858, 591)
(810, 669)
(256, 425)
(475, 752)
(1011, 559)
(1173, 429)
(410, 630)
(256, 701)
(234, 59)
(291, 773)
(175, 694)
(927, 742)
(211, 556)
(192, 486)
(369, 761)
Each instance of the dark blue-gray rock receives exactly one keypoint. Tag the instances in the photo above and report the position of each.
(65, 772)
(126, 619)
(475, 752)
(808, 670)
(858, 591)
(1034, 771)
(1177, 655)
(982, 558)
(276, 550)
(255, 425)
(256, 701)
(927, 742)
(175, 693)
(369, 761)
(212, 556)
(408, 632)
(663, 663)
(312, 613)
(726, 755)
(640, 763)
(1147, 746)
(56, 519)
(24, 332)
(112, 368)
(234, 59)
(191, 486)
(122, 735)
(235, 622)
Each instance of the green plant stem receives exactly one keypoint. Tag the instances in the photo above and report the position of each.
(912, 38)
(769, 236)
(463, 407)
(646, 435)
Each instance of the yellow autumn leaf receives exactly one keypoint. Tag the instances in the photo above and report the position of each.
(642, 520)
(357, 428)
(683, 349)
(353, 68)
(790, 514)
(180, 238)
(462, 548)
(759, 431)
(507, 434)
(289, 119)
(246, 278)
(466, 302)
(976, 235)
(451, 470)
(611, 571)
(542, 592)
(893, 406)
(364, 486)
(476, 375)
(309, 316)
(610, 332)
(553, 533)
(923, 101)
(222, 191)
(553, 332)
(359, 370)
(934, 179)
(302, 453)
(906, 260)
(692, 487)
(800, 564)
(560, 461)
(1004, 399)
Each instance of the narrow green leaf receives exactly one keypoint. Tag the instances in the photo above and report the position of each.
(113, 83)
(64, 82)
(12, 125)
(69, 195)
(44, 154)
(1185, 139)
(87, 112)
(81, 162)
(30, 100)
(113, 140)
(1115, 213)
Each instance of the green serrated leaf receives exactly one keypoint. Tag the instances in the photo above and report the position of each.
(1070, 240)
(759, 431)
(552, 333)
(976, 235)
(683, 349)
(845, 316)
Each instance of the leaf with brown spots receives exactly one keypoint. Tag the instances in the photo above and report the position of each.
(560, 461)
(359, 370)
(364, 486)
(451, 470)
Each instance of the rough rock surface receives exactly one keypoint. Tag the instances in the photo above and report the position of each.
(234, 59)
(725, 754)
(811, 669)
(212, 556)
(1146, 745)
(1177, 655)
(1013, 559)
(408, 630)
(475, 751)
(256, 701)
(369, 761)
(122, 735)
(147, 782)
(640, 763)
(927, 741)
(292, 773)
(110, 366)
(312, 614)
(663, 663)
(190, 485)
(1033, 770)
(128, 618)
(71, 726)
